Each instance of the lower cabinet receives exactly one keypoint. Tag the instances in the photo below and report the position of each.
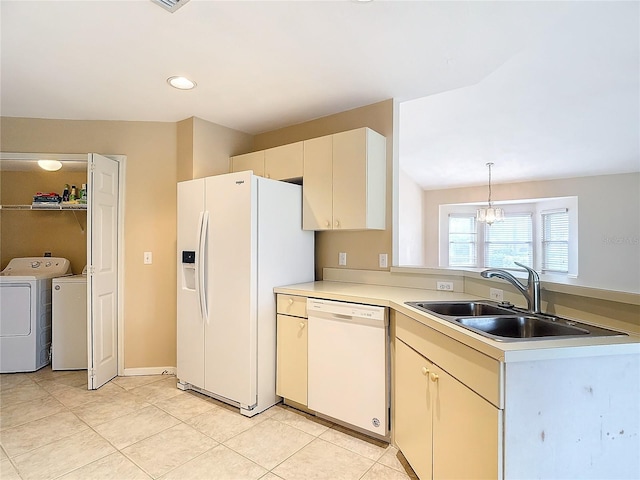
(291, 340)
(444, 429)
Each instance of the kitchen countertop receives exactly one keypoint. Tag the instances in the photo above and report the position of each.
(515, 351)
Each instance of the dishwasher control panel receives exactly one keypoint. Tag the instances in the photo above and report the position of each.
(347, 309)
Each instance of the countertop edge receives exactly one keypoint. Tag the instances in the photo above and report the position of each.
(508, 352)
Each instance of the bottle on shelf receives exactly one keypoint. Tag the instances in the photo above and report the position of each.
(73, 195)
(65, 193)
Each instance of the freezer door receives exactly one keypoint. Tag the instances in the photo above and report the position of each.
(230, 331)
(190, 323)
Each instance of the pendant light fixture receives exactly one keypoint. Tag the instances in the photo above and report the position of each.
(490, 214)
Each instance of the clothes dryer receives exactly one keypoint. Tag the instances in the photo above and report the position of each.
(25, 312)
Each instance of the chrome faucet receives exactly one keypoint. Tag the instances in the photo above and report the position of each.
(531, 291)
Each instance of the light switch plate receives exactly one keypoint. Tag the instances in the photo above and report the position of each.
(148, 258)
(383, 260)
(342, 258)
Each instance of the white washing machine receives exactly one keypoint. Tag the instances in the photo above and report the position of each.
(69, 323)
(25, 312)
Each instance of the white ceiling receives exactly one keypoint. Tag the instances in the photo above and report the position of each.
(263, 65)
(567, 105)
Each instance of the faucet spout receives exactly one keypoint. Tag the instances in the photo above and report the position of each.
(530, 291)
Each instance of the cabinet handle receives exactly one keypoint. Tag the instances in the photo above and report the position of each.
(433, 377)
(425, 371)
(338, 223)
(268, 175)
(291, 301)
(301, 324)
(327, 224)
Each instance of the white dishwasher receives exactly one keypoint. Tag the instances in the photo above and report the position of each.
(348, 364)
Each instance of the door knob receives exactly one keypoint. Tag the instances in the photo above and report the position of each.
(425, 371)
(433, 377)
(301, 324)
(291, 301)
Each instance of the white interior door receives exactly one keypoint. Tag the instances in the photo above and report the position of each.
(102, 270)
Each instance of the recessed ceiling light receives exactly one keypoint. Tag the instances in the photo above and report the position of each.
(181, 83)
(50, 165)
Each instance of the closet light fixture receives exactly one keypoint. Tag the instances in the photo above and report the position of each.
(181, 83)
(490, 214)
(50, 165)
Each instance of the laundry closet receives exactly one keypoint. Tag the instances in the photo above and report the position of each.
(39, 231)
(35, 232)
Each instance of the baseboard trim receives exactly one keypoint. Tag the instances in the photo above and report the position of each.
(129, 372)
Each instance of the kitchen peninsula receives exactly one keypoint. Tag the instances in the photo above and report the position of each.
(464, 405)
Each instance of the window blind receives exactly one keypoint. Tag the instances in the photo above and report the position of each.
(463, 239)
(555, 241)
(509, 241)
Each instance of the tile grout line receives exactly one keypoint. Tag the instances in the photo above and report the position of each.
(152, 402)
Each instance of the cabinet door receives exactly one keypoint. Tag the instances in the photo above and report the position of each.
(412, 421)
(249, 161)
(350, 179)
(292, 305)
(285, 162)
(291, 376)
(317, 196)
(466, 431)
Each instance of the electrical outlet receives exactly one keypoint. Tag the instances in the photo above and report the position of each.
(342, 258)
(383, 260)
(148, 258)
(496, 294)
(446, 286)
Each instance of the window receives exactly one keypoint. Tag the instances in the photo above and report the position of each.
(540, 233)
(555, 241)
(509, 241)
(462, 240)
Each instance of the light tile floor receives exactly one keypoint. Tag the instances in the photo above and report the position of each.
(143, 427)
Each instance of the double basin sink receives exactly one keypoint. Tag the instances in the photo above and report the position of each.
(507, 323)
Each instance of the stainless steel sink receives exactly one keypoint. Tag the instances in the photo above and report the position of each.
(462, 309)
(508, 323)
(520, 327)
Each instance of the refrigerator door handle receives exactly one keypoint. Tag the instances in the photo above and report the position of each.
(201, 287)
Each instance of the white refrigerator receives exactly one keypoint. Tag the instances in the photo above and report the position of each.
(239, 236)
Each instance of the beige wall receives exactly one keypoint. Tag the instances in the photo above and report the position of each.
(362, 248)
(184, 132)
(204, 148)
(150, 218)
(30, 233)
(608, 223)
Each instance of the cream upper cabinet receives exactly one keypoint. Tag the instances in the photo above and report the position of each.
(284, 162)
(359, 180)
(317, 191)
(345, 181)
(443, 427)
(278, 163)
(291, 347)
(249, 161)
